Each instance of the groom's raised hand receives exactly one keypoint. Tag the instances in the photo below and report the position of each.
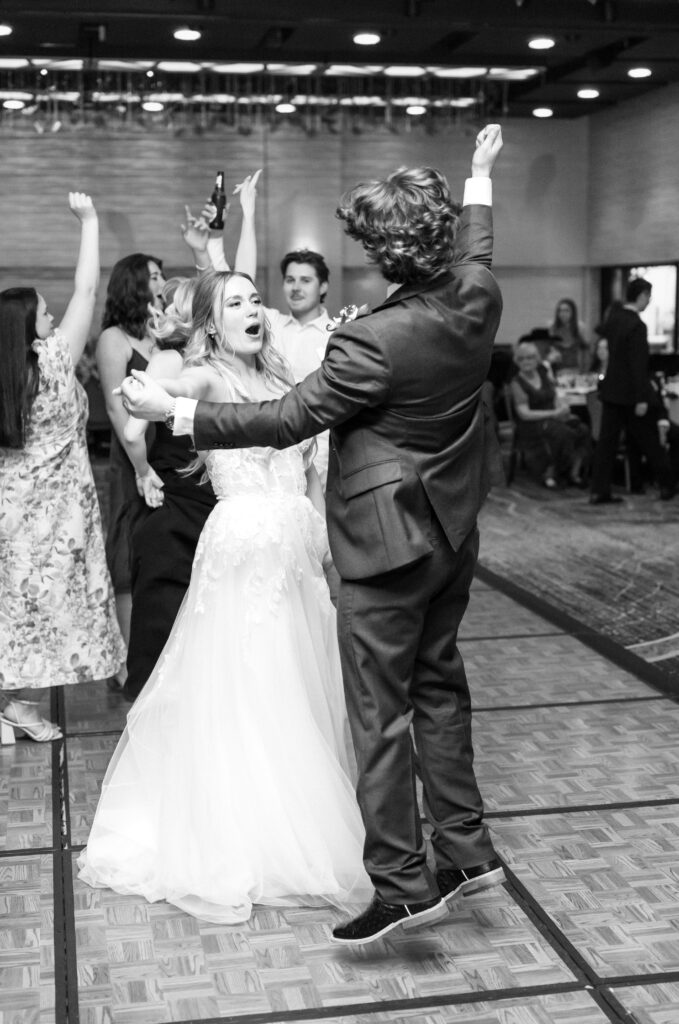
(144, 397)
(488, 146)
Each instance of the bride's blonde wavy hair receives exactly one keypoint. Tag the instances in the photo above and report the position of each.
(208, 344)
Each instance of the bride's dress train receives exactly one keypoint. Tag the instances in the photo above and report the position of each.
(231, 784)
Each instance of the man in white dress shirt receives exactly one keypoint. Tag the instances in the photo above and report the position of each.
(302, 334)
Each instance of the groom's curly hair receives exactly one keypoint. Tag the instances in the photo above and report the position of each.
(406, 223)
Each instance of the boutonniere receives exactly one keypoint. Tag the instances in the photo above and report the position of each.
(346, 315)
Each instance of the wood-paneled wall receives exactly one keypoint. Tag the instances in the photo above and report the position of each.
(634, 181)
(141, 184)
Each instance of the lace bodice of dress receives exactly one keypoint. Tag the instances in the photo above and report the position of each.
(263, 471)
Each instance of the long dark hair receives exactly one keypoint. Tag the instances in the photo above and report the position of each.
(18, 363)
(573, 327)
(128, 294)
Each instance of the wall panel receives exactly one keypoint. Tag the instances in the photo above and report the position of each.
(142, 182)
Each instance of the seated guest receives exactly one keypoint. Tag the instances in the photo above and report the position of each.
(599, 363)
(57, 612)
(553, 443)
(569, 345)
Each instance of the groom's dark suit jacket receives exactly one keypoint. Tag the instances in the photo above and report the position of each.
(400, 390)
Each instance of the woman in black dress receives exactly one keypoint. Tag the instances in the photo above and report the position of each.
(124, 344)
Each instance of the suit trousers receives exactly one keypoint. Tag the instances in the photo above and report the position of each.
(642, 430)
(405, 680)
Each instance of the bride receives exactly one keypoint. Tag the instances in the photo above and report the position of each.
(231, 784)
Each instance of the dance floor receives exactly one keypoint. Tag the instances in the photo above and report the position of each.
(578, 760)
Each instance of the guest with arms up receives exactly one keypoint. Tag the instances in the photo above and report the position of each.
(400, 391)
(135, 284)
(57, 614)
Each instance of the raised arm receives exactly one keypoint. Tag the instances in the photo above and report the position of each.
(196, 234)
(77, 319)
(474, 239)
(246, 253)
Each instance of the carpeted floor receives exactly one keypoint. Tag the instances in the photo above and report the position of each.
(613, 567)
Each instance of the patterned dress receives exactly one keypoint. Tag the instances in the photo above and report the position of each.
(57, 612)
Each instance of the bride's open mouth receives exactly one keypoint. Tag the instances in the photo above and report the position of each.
(253, 330)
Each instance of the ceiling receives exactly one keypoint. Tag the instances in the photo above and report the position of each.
(596, 43)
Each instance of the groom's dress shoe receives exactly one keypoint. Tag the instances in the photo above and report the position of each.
(469, 880)
(381, 917)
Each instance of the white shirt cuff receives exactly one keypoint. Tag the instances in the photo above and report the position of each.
(184, 411)
(478, 191)
(215, 250)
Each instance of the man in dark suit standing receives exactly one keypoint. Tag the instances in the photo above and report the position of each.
(626, 393)
(400, 390)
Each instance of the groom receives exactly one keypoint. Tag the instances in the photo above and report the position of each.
(400, 391)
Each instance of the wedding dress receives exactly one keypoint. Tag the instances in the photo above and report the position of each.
(231, 784)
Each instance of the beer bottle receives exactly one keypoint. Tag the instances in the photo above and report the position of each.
(218, 199)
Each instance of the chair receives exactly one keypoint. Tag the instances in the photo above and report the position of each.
(507, 434)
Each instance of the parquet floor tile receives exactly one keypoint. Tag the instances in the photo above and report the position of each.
(26, 940)
(652, 1004)
(543, 670)
(92, 707)
(609, 879)
(151, 962)
(562, 1008)
(491, 613)
(570, 756)
(88, 758)
(25, 795)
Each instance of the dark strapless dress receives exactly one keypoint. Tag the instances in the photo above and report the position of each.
(126, 508)
(163, 546)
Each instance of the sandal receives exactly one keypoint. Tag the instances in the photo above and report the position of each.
(40, 730)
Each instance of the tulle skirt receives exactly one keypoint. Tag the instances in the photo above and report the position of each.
(232, 782)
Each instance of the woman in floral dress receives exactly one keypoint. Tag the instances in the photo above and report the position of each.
(57, 612)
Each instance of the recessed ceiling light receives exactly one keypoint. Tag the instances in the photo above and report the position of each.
(588, 94)
(543, 112)
(187, 35)
(416, 109)
(639, 72)
(285, 108)
(44, 71)
(541, 43)
(14, 104)
(6, 30)
(367, 38)
(152, 106)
